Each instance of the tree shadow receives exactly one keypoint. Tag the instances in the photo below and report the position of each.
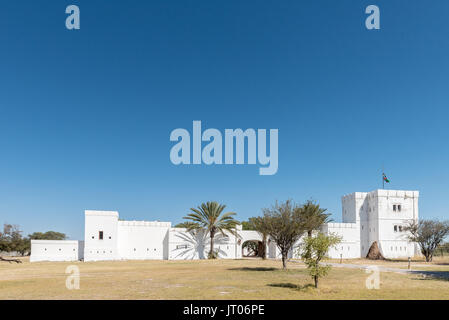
(193, 245)
(441, 263)
(253, 269)
(291, 286)
(431, 275)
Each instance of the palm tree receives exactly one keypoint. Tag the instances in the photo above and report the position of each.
(187, 225)
(209, 217)
(313, 217)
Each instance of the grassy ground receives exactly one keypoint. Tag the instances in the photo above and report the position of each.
(219, 279)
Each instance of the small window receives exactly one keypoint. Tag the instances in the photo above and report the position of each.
(110, 237)
(395, 228)
(100, 235)
(394, 207)
(183, 246)
(400, 228)
(93, 237)
(399, 207)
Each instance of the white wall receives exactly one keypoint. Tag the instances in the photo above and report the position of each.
(138, 240)
(349, 247)
(56, 250)
(184, 245)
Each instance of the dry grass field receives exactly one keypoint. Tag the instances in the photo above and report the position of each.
(218, 279)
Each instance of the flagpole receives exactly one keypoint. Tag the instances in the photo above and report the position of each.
(383, 180)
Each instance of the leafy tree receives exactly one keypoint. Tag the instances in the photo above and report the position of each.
(313, 250)
(11, 240)
(49, 235)
(428, 234)
(246, 225)
(260, 225)
(313, 216)
(210, 217)
(283, 225)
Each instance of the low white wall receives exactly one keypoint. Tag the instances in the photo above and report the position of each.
(349, 247)
(56, 250)
(397, 249)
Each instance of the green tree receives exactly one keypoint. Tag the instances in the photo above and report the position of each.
(186, 225)
(313, 250)
(313, 216)
(49, 235)
(428, 234)
(210, 218)
(246, 225)
(11, 240)
(283, 225)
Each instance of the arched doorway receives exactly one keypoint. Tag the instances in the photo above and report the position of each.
(252, 249)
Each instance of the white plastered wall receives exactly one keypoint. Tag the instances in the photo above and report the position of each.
(141, 240)
(56, 250)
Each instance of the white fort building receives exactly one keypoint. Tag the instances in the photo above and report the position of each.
(379, 216)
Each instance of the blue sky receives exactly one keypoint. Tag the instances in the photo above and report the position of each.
(85, 116)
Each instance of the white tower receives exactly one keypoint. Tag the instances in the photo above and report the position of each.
(381, 216)
(100, 235)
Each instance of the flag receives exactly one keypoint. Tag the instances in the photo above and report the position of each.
(385, 178)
